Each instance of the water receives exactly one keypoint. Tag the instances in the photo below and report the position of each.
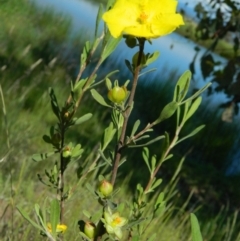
(176, 52)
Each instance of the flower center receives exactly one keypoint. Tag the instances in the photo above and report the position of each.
(143, 17)
(116, 221)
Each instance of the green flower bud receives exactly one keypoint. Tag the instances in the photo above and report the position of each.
(67, 116)
(105, 188)
(90, 230)
(66, 152)
(117, 94)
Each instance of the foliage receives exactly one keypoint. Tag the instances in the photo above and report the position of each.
(108, 223)
(77, 198)
(220, 20)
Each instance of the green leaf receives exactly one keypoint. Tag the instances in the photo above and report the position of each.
(79, 84)
(54, 103)
(129, 66)
(54, 215)
(148, 71)
(145, 155)
(167, 112)
(108, 83)
(47, 139)
(193, 108)
(152, 237)
(135, 127)
(196, 233)
(77, 151)
(134, 223)
(104, 158)
(152, 57)
(85, 53)
(99, 98)
(153, 162)
(40, 214)
(108, 135)
(142, 137)
(148, 143)
(196, 94)
(25, 215)
(160, 199)
(194, 132)
(42, 156)
(96, 216)
(87, 214)
(111, 45)
(156, 183)
(80, 120)
(182, 86)
(110, 4)
(135, 238)
(98, 19)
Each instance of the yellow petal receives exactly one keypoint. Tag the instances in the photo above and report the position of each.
(143, 18)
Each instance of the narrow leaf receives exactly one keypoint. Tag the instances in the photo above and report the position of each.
(156, 183)
(99, 98)
(54, 215)
(110, 47)
(191, 134)
(41, 156)
(82, 119)
(196, 233)
(148, 143)
(167, 112)
(135, 127)
(54, 102)
(152, 57)
(87, 214)
(145, 155)
(182, 86)
(193, 108)
(196, 94)
(98, 19)
(25, 215)
(160, 199)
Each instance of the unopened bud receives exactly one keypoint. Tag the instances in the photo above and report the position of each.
(105, 188)
(90, 230)
(117, 94)
(66, 152)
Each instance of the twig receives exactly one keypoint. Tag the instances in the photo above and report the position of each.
(127, 112)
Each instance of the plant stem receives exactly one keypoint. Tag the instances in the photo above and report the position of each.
(163, 157)
(127, 112)
(61, 174)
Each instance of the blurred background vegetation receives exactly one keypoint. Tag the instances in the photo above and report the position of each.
(36, 53)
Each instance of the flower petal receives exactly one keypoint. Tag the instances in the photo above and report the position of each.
(143, 18)
(118, 233)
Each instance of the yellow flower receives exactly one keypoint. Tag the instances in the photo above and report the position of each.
(61, 228)
(143, 18)
(113, 223)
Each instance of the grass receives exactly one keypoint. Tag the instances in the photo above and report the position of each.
(25, 81)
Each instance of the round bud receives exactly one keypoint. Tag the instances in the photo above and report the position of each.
(105, 188)
(90, 230)
(66, 152)
(117, 94)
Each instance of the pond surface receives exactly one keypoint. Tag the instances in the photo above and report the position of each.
(176, 52)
